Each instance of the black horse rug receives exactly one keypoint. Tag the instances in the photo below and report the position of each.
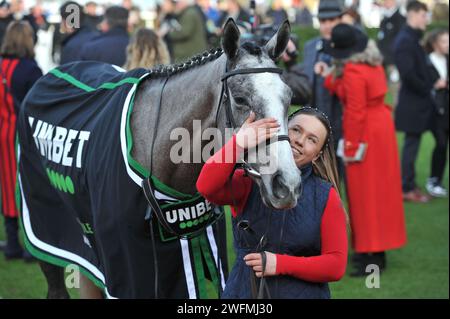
(82, 200)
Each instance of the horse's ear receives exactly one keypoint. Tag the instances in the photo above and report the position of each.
(230, 38)
(276, 46)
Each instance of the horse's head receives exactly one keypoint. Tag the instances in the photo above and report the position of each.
(266, 95)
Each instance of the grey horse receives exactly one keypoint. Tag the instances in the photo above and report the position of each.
(194, 90)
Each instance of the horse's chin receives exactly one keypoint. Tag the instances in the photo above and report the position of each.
(275, 203)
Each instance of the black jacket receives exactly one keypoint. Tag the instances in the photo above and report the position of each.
(298, 81)
(109, 47)
(389, 28)
(4, 22)
(72, 44)
(415, 103)
(440, 96)
(26, 73)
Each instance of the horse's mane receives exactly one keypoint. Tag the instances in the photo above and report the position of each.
(197, 60)
(200, 59)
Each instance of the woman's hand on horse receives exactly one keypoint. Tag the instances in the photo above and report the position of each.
(255, 261)
(254, 132)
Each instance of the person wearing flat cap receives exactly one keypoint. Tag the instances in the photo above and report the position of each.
(329, 14)
(369, 146)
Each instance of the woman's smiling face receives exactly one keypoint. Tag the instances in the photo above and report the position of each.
(307, 135)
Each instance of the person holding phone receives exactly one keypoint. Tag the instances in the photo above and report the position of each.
(370, 150)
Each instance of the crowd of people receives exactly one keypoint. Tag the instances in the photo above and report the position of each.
(342, 81)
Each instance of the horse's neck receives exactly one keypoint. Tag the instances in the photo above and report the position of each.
(193, 94)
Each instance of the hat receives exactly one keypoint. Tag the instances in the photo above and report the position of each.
(329, 9)
(4, 4)
(345, 40)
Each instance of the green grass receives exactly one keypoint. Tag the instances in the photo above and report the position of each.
(419, 270)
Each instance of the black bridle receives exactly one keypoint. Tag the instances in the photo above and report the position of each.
(257, 292)
(231, 122)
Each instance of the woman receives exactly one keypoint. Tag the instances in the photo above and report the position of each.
(437, 46)
(146, 50)
(305, 247)
(18, 72)
(369, 147)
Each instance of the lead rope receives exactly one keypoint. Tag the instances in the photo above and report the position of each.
(218, 261)
(262, 243)
(245, 227)
(152, 234)
(257, 293)
(155, 261)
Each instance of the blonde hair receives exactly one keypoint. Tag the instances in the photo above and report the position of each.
(19, 40)
(146, 50)
(371, 56)
(325, 166)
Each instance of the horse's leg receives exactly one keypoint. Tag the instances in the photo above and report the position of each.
(55, 281)
(88, 290)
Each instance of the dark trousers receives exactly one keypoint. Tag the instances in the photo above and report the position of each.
(439, 159)
(409, 156)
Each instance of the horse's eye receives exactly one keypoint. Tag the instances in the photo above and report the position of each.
(241, 101)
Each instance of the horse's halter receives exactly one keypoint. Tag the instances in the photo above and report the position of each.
(231, 123)
(257, 292)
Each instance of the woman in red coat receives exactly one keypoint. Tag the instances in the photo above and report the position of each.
(369, 147)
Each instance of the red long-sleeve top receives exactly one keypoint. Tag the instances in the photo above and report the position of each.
(214, 184)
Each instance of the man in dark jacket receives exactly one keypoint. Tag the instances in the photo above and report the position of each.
(5, 18)
(75, 36)
(14, 11)
(390, 26)
(415, 105)
(294, 76)
(111, 45)
(329, 14)
(91, 18)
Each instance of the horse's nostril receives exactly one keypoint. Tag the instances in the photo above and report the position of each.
(280, 190)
